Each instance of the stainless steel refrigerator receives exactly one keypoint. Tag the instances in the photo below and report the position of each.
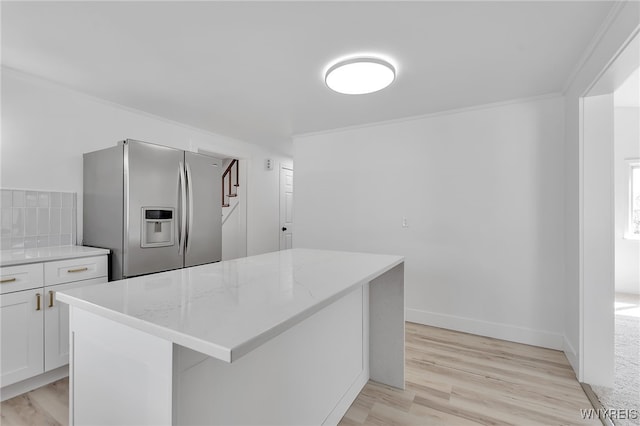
(157, 208)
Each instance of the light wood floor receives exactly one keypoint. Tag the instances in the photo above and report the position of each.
(451, 379)
(461, 379)
(45, 406)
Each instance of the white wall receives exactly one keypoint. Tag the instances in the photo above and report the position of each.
(620, 29)
(482, 194)
(264, 205)
(231, 228)
(626, 146)
(46, 128)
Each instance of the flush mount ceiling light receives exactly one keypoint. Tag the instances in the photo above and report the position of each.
(357, 76)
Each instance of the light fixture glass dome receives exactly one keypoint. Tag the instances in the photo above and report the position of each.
(357, 76)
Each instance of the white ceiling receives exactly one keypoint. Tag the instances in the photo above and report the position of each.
(253, 70)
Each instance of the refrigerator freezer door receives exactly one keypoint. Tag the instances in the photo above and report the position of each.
(204, 230)
(151, 181)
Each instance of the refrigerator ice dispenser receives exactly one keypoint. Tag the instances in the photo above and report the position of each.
(158, 226)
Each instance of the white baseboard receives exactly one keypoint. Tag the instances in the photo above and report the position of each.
(571, 355)
(511, 333)
(347, 399)
(32, 383)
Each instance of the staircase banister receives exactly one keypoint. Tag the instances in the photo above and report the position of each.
(228, 172)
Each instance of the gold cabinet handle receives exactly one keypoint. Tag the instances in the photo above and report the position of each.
(37, 301)
(51, 298)
(7, 280)
(78, 270)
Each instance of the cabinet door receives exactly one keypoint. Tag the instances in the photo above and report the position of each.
(56, 324)
(22, 325)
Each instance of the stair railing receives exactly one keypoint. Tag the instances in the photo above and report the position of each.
(227, 177)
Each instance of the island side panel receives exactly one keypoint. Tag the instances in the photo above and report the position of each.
(299, 377)
(386, 327)
(119, 375)
(351, 395)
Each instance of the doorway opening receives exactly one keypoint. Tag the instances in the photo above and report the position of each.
(624, 394)
(286, 206)
(234, 184)
(610, 256)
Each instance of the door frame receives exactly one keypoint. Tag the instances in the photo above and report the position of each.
(283, 166)
(592, 298)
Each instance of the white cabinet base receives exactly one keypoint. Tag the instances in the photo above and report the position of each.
(119, 375)
(297, 378)
(34, 339)
(8, 392)
(307, 375)
(56, 324)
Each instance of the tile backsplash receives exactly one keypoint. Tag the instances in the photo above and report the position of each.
(37, 219)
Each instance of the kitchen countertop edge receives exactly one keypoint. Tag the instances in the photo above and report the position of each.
(211, 348)
(16, 257)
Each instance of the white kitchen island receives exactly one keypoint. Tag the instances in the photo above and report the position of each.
(289, 337)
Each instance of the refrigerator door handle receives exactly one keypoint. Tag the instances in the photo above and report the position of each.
(183, 208)
(190, 208)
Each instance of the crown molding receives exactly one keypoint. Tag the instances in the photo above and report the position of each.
(595, 41)
(431, 115)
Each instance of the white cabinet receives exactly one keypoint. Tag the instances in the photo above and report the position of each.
(21, 277)
(65, 271)
(22, 326)
(56, 324)
(35, 327)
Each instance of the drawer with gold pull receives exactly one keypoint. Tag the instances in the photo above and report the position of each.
(20, 277)
(78, 269)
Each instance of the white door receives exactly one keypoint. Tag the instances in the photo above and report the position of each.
(56, 324)
(286, 207)
(22, 323)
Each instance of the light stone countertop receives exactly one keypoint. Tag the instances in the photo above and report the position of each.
(229, 308)
(47, 254)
